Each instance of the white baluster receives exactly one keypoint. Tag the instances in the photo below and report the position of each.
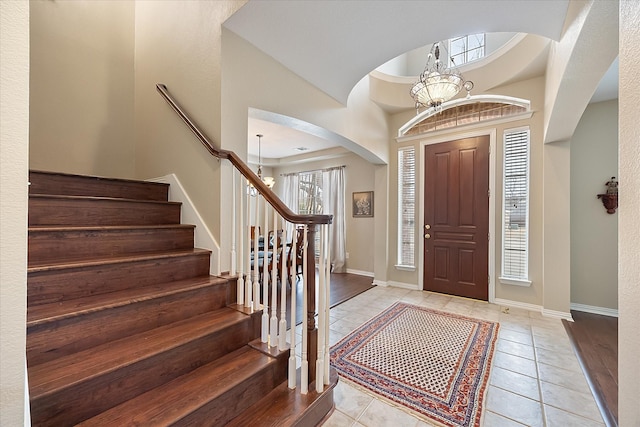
(256, 260)
(327, 308)
(239, 231)
(248, 290)
(265, 278)
(273, 327)
(304, 370)
(294, 294)
(234, 212)
(321, 314)
(282, 333)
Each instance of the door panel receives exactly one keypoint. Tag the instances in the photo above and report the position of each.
(456, 245)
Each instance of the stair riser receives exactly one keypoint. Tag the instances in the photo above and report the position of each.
(88, 212)
(73, 185)
(60, 338)
(57, 285)
(52, 246)
(83, 400)
(237, 399)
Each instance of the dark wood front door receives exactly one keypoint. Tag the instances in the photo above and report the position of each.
(456, 218)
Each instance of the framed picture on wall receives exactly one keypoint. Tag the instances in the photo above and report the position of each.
(362, 204)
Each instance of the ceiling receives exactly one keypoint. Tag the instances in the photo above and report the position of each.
(333, 45)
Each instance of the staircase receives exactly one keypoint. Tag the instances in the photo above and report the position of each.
(125, 326)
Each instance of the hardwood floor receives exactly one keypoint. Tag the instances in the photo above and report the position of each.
(344, 286)
(595, 341)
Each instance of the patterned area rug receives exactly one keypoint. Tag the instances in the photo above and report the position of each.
(434, 363)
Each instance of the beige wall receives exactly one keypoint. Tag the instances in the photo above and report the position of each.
(629, 217)
(82, 87)
(359, 176)
(253, 80)
(594, 233)
(14, 164)
(179, 44)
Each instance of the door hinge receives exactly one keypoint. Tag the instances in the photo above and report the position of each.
(489, 236)
(489, 193)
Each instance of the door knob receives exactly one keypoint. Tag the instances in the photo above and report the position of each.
(427, 236)
(427, 227)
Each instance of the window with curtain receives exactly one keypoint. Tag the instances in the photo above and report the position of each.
(406, 206)
(321, 192)
(310, 192)
(515, 207)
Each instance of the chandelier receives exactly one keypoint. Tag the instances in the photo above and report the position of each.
(268, 180)
(438, 82)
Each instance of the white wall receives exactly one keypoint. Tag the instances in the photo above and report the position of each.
(14, 151)
(81, 110)
(594, 232)
(629, 217)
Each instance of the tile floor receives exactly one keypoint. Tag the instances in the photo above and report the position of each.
(535, 377)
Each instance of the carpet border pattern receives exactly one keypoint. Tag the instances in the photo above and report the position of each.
(462, 407)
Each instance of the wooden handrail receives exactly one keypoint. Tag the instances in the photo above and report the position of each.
(236, 161)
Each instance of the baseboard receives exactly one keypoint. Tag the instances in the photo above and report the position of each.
(190, 215)
(537, 308)
(611, 312)
(360, 272)
(412, 286)
(517, 304)
(380, 283)
(557, 314)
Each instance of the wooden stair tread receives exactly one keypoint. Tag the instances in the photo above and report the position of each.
(100, 198)
(45, 182)
(51, 376)
(116, 259)
(96, 177)
(178, 398)
(45, 313)
(286, 407)
(47, 228)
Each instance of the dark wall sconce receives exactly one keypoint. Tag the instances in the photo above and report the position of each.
(610, 198)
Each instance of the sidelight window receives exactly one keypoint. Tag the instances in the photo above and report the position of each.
(515, 208)
(406, 206)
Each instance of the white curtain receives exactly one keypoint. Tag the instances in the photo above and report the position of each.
(290, 197)
(333, 203)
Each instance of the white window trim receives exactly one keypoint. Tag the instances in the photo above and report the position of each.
(509, 280)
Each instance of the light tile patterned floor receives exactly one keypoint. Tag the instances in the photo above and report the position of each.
(535, 376)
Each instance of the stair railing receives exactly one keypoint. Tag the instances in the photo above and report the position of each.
(253, 203)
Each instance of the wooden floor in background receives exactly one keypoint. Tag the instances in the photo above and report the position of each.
(344, 286)
(595, 340)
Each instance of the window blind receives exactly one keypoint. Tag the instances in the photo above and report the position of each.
(406, 206)
(515, 212)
